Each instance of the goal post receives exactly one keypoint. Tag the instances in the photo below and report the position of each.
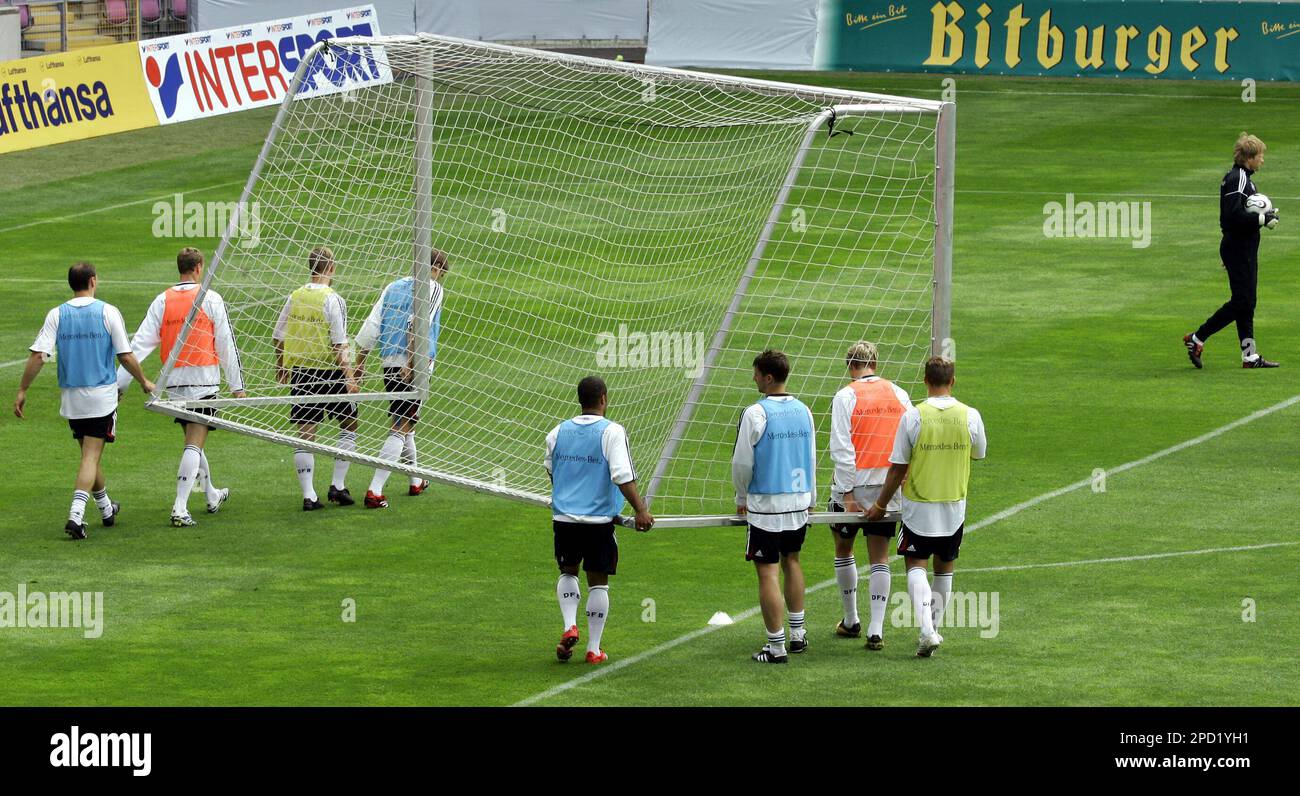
(654, 226)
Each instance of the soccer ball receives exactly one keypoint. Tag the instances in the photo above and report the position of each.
(1258, 204)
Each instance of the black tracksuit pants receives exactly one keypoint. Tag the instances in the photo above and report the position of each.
(1240, 257)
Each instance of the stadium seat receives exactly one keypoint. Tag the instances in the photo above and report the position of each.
(150, 10)
(179, 9)
(115, 12)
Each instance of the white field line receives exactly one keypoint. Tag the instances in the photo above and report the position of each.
(60, 219)
(4, 365)
(1001, 515)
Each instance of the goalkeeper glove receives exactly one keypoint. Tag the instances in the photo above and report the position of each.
(1269, 219)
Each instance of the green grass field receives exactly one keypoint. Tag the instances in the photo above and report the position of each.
(1069, 347)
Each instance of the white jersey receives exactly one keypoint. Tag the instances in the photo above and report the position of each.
(191, 381)
(614, 444)
(368, 337)
(934, 519)
(779, 512)
(81, 402)
(866, 482)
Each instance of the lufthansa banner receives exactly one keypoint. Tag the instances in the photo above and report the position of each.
(65, 97)
(1064, 38)
(196, 75)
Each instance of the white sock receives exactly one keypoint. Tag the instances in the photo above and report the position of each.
(1248, 353)
(185, 475)
(918, 588)
(797, 630)
(391, 450)
(569, 594)
(306, 464)
(408, 455)
(846, 575)
(347, 442)
(103, 503)
(1198, 342)
(205, 477)
(597, 612)
(776, 641)
(879, 586)
(78, 511)
(941, 588)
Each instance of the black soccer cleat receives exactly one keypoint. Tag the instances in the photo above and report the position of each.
(311, 505)
(875, 643)
(848, 632)
(798, 645)
(765, 656)
(1194, 350)
(340, 496)
(112, 518)
(75, 530)
(1259, 362)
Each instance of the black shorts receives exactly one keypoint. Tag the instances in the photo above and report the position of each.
(944, 548)
(208, 411)
(319, 381)
(104, 428)
(769, 547)
(849, 530)
(593, 545)
(400, 409)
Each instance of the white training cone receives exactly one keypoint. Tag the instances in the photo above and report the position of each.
(720, 618)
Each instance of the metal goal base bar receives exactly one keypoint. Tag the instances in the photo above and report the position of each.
(723, 520)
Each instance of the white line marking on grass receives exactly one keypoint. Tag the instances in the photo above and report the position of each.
(106, 208)
(987, 521)
(1114, 194)
(4, 365)
(1124, 559)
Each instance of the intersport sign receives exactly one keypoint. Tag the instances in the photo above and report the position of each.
(197, 75)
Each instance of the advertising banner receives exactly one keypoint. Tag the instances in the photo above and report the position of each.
(69, 96)
(1064, 38)
(197, 75)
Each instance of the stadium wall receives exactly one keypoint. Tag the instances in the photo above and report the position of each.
(1178, 40)
(490, 20)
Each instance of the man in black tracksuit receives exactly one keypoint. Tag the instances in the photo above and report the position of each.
(1239, 251)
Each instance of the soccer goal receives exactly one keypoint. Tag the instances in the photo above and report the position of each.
(654, 226)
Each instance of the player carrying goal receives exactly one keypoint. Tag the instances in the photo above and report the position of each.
(864, 420)
(195, 376)
(389, 327)
(311, 356)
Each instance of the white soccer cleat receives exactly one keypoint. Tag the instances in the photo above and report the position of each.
(183, 521)
(926, 645)
(222, 496)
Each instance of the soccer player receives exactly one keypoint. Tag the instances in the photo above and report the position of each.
(590, 464)
(933, 449)
(389, 327)
(87, 334)
(864, 420)
(311, 356)
(772, 468)
(196, 375)
(1239, 252)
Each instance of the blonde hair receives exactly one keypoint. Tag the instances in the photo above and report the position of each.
(1247, 147)
(861, 353)
(321, 258)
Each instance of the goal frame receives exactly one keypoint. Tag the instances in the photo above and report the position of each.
(855, 103)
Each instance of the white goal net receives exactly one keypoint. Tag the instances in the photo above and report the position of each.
(655, 227)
